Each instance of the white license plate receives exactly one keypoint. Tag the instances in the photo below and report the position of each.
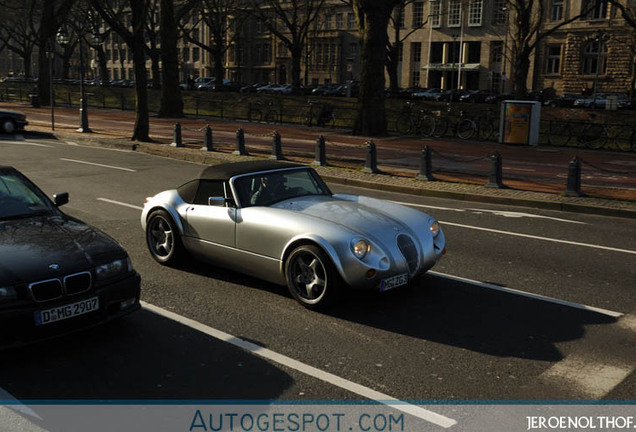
(394, 281)
(63, 312)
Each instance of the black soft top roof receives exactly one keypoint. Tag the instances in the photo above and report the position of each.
(228, 170)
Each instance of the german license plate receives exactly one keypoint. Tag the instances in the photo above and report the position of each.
(394, 281)
(63, 312)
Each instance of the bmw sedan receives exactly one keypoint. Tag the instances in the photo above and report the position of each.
(280, 222)
(57, 274)
(12, 122)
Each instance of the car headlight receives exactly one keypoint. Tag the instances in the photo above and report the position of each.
(8, 294)
(360, 248)
(113, 268)
(434, 228)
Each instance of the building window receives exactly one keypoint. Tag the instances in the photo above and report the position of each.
(454, 13)
(195, 54)
(351, 21)
(327, 22)
(415, 78)
(434, 15)
(594, 58)
(401, 21)
(416, 52)
(496, 53)
(353, 50)
(475, 12)
(553, 59)
(418, 14)
(598, 11)
(339, 21)
(186, 55)
(556, 10)
(499, 12)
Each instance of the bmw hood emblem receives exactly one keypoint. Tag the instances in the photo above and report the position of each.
(54, 266)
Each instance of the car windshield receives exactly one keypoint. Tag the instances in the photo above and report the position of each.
(267, 188)
(19, 198)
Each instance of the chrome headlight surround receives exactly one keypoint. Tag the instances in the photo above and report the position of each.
(8, 294)
(434, 227)
(113, 269)
(360, 247)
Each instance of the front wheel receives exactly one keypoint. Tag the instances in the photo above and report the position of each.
(427, 125)
(594, 136)
(466, 129)
(441, 126)
(162, 238)
(8, 126)
(311, 277)
(403, 124)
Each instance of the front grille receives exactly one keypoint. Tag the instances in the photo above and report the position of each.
(46, 290)
(409, 251)
(77, 283)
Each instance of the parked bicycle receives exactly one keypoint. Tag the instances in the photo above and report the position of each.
(319, 114)
(262, 111)
(487, 125)
(461, 124)
(586, 132)
(411, 122)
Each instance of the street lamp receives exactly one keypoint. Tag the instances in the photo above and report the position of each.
(430, 38)
(600, 37)
(63, 39)
(461, 46)
(504, 56)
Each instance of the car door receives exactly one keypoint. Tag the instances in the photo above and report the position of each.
(211, 226)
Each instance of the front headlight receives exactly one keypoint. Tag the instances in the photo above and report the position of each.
(434, 228)
(112, 269)
(360, 248)
(8, 294)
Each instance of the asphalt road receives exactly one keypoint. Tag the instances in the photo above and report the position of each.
(467, 331)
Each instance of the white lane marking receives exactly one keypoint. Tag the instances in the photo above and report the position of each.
(22, 143)
(429, 206)
(540, 238)
(527, 294)
(628, 322)
(99, 165)
(591, 379)
(120, 203)
(289, 362)
(74, 144)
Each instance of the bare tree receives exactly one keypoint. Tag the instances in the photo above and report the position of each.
(171, 100)
(291, 23)
(18, 29)
(134, 37)
(395, 43)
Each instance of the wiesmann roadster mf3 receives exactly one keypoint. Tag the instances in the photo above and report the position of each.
(281, 223)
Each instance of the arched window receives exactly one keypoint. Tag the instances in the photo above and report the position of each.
(594, 57)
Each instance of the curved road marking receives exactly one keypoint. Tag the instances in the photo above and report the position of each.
(99, 165)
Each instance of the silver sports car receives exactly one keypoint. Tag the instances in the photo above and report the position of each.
(280, 222)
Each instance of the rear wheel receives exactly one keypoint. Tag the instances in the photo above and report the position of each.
(311, 277)
(594, 136)
(559, 133)
(441, 126)
(466, 129)
(403, 124)
(8, 126)
(162, 238)
(427, 125)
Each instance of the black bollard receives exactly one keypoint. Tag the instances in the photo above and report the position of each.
(176, 140)
(321, 152)
(371, 165)
(495, 179)
(209, 145)
(426, 166)
(277, 151)
(240, 143)
(573, 187)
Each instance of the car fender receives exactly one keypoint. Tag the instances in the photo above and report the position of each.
(164, 201)
(318, 240)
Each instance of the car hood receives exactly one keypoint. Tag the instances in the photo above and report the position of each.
(29, 248)
(358, 214)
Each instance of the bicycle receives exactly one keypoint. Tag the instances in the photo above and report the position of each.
(628, 144)
(591, 135)
(465, 127)
(259, 111)
(322, 116)
(409, 123)
(487, 125)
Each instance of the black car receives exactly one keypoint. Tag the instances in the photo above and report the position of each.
(476, 96)
(57, 274)
(564, 100)
(11, 121)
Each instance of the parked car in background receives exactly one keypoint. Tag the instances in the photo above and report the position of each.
(564, 100)
(496, 98)
(452, 95)
(12, 121)
(57, 274)
(427, 94)
(280, 222)
(476, 96)
(600, 101)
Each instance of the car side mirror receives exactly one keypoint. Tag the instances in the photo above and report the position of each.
(217, 201)
(60, 199)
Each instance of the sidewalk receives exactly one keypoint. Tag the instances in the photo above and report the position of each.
(346, 160)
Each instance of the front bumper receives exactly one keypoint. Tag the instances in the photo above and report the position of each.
(20, 324)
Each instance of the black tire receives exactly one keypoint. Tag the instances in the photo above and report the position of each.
(403, 124)
(466, 129)
(271, 117)
(559, 133)
(255, 115)
(441, 126)
(485, 129)
(8, 126)
(311, 277)
(427, 125)
(594, 136)
(163, 239)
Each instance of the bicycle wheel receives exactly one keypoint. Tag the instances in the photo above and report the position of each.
(441, 126)
(485, 128)
(404, 124)
(559, 133)
(254, 115)
(427, 125)
(594, 135)
(466, 129)
(271, 116)
(631, 144)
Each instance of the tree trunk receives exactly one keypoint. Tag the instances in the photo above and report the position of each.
(171, 101)
(46, 33)
(520, 71)
(141, 131)
(373, 19)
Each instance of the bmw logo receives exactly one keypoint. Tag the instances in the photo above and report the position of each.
(54, 267)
